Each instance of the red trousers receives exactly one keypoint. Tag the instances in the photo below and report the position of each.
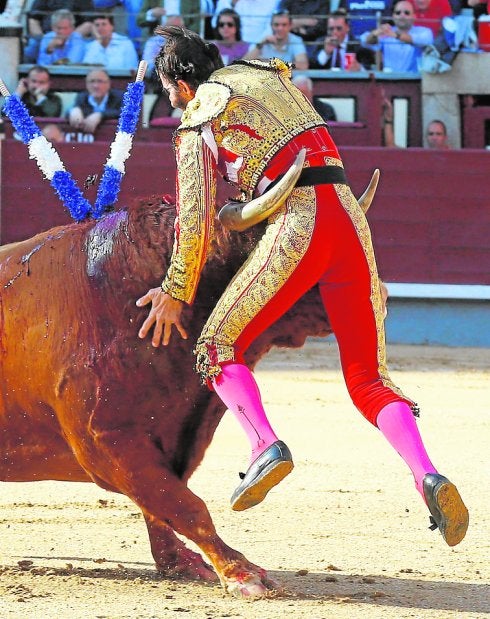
(319, 236)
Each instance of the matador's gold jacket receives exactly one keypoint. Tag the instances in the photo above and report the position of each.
(238, 120)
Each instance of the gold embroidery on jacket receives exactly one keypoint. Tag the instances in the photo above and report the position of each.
(196, 195)
(273, 260)
(264, 113)
(256, 111)
(209, 102)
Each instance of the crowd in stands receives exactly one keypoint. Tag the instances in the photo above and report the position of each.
(326, 34)
(334, 35)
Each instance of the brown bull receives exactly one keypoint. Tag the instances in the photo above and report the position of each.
(84, 399)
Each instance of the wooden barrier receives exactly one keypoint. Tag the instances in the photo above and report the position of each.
(160, 130)
(430, 219)
(476, 127)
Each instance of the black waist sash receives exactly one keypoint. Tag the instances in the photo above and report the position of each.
(322, 175)
(317, 175)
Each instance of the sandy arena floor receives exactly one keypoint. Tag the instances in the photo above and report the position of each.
(345, 534)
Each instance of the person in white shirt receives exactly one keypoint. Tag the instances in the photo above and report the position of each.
(255, 16)
(281, 43)
(110, 49)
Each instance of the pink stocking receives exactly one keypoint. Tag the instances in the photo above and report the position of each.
(237, 388)
(397, 424)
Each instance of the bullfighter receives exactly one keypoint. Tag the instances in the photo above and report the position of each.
(248, 123)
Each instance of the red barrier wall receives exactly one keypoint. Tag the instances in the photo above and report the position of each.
(430, 219)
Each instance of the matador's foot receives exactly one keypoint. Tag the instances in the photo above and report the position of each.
(264, 473)
(449, 513)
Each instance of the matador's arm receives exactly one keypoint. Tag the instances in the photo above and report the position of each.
(194, 226)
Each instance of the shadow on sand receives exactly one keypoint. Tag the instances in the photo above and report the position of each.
(401, 591)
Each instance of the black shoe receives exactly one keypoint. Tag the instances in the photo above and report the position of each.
(264, 473)
(449, 513)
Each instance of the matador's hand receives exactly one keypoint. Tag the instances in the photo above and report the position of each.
(165, 312)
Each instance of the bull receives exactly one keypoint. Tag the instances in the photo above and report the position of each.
(84, 399)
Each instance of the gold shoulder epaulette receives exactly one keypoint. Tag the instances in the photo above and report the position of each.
(210, 100)
(272, 64)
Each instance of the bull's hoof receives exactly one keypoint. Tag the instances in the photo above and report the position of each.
(189, 567)
(251, 586)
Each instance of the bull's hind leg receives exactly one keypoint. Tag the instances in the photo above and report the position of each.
(172, 557)
(133, 464)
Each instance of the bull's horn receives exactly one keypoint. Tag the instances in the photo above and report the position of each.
(367, 197)
(242, 215)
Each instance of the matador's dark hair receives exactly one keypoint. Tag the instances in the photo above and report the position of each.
(185, 56)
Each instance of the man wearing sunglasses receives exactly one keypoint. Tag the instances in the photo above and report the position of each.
(402, 43)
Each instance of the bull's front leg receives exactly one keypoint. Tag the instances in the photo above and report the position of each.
(134, 465)
(172, 557)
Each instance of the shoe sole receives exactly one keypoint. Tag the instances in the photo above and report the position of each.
(256, 493)
(453, 513)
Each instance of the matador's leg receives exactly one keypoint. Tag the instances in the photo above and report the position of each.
(351, 295)
(280, 270)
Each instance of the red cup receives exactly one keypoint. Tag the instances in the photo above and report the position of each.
(349, 59)
(484, 33)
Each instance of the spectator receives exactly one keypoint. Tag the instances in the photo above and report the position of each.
(479, 7)
(110, 49)
(255, 16)
(281, 43)
(401, 45)
(155, 12)
(309, 17)
(436, 135)
(331, 53)
(63, 44)
(229, 36)
(429, 13)
(363, 14)
(11, 13)
(95, 104)
(304, 83)
(39, 21)
(35, 92)
(388, 130)
(53, 133)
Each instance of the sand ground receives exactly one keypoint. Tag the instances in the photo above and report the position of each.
(345, 534)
